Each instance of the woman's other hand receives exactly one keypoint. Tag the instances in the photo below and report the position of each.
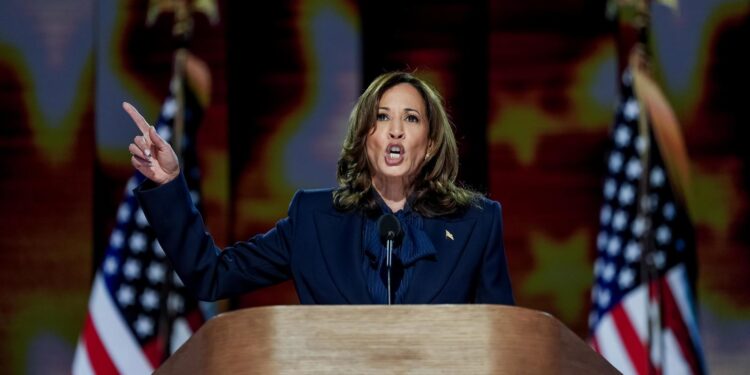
(151, 155)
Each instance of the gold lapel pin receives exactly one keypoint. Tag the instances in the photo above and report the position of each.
(448, 235)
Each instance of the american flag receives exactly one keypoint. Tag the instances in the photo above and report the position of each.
(139, 312)
(643, 317)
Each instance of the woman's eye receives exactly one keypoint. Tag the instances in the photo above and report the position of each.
(412, 118)
(382, 117)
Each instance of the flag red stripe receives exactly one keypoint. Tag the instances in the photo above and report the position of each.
(595, 345)
(97, 353)
(635, 348)
(154, 351)
(673, 320)
(194, 319)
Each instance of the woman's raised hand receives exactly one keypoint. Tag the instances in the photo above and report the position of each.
(151, 155)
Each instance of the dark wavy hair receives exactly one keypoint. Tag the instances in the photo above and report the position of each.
(433, 191)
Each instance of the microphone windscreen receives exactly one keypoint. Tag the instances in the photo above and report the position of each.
(389, 227)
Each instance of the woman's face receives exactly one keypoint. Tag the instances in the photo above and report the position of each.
(397, 144)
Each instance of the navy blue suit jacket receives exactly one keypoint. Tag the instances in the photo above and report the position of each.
(321, 249)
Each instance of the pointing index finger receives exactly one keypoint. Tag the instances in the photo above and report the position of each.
(137, 118)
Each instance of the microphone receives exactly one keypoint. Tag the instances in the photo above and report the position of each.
(389, 229)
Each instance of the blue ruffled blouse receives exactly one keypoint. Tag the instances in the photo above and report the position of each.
(413, 246)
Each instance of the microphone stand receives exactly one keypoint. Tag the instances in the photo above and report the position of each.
(389, 260)
(389, 229)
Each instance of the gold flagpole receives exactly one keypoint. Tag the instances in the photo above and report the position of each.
(182, 30)
(634, 20)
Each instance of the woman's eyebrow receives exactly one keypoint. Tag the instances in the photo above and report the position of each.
(405, 110)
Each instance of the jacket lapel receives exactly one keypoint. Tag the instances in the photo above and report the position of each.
(449, 239)
(340, 241)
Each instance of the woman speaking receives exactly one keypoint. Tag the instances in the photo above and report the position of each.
(397, 229)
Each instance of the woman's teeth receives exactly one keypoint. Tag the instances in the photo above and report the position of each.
(394, 152)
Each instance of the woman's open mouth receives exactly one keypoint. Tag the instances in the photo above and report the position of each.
(394, 154)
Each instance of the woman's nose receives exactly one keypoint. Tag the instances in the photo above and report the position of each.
(396, 131)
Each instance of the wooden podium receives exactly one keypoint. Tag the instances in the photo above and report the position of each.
(453, 339)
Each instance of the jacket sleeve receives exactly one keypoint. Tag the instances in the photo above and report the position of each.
(212, 273)
(494, 280)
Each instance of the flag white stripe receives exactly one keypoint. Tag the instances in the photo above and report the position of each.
(117, 339)
(635, 305)
(81, 363)
(674, 361)
(678, 281)
(612, 347)
(181, 332)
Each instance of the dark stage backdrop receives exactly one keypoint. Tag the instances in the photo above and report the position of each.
(530, 85)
